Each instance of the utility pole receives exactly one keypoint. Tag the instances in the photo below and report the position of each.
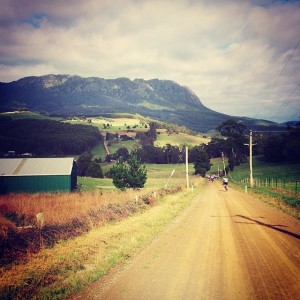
(250, 154)
(250, 151)
(223, 163)
(187, 165)
(250, 159)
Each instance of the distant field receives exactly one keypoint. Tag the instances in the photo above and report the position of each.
(180, 139)
(159, 176)
(99, 151)
(263, 170)
(122, 125)
(27, 115)
(217, 165)
(130, 145)
(115, 124)
(89, 184)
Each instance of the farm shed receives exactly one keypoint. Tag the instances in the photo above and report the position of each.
(36, 175)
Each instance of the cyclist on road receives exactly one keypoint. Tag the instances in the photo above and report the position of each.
(225, 183)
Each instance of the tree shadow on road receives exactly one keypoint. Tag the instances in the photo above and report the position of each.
(275, 227)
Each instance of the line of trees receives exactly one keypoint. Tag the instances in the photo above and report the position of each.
(274, 147)
(231, 144)
(283, 147)
(46, 137)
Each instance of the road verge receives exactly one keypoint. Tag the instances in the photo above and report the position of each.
(73, 264)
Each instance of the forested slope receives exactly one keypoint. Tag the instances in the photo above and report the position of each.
(46, 137)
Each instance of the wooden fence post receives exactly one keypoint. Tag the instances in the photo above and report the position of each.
(40, 222)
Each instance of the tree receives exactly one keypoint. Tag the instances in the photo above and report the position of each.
(149, 137)
(232, 129)
(122, 152)
(152, 131)
(202, 162)
(86, 166)
(273, 149)
(83, 163)
(119, 173)
(129, 175)
(214, 147)
(94, 170)
(137, 173)
(234, 144)
(172, 154)
(150, 154)
(283, 147)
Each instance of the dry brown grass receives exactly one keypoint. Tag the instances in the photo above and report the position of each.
(61, 208)
(58, 272)
(66, 216)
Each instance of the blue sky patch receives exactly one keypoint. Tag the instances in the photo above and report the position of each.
(35, 20)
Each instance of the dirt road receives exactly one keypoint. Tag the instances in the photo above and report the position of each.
(226, 245)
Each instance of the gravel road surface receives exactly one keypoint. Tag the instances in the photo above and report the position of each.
(226, 245)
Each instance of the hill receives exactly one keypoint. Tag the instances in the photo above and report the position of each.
(44, 137)
(65, 95)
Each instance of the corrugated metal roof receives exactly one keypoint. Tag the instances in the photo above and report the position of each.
(36, 166)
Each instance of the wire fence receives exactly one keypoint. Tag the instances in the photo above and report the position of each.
(292, 187)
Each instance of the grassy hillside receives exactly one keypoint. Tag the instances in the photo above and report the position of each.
(164, 138)
(27, 115)
(263, 170)
(123, 124)
(277, 183)
(112, 124)
(130, 125)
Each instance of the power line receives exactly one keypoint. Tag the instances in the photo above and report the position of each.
(278, 77)
(270, 131)
(286, 102)
(295, 115)
(172, 173)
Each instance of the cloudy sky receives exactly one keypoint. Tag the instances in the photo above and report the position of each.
(241, 57)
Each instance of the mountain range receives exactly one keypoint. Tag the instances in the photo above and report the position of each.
(67, 95)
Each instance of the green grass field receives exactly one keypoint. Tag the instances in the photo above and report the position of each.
(119, 124)
(130, 145)
(217, 165)
(278, 181)
(263, 170)
(158, 176)
(115, 124)
(179, 139)
(27, 115)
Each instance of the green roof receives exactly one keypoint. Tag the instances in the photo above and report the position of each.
(36, 166)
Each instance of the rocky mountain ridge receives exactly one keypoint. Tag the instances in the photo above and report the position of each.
(68, 95)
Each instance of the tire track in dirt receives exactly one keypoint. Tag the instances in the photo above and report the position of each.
(270, 254)
(226, 245)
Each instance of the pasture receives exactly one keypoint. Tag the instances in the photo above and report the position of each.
(279, 181)
(111, 124)
(158, 176)
(27, 115)
(263, 170)
(163, 138)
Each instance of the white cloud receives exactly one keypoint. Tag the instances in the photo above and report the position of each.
(230, 53)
